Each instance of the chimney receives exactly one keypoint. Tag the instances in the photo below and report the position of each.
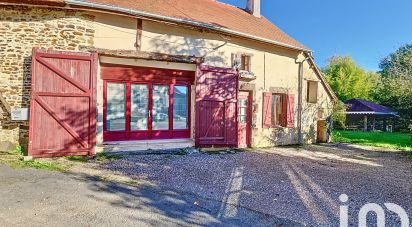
(253, 7)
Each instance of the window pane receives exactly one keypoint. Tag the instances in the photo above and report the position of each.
(140, 107)
(242, 111)
(245, 62)
(278, 109)
(242, 108)
(115, 109)
(276, 105)
(160, 107)
(312, 91)
(242, 119)
(242, 103)
(180, 107)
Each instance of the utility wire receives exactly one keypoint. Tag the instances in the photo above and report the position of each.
(168, 41)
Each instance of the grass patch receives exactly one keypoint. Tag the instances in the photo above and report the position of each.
(399, 141)
(104, 157)
(78, 158)
(15, 160)
(39, 165)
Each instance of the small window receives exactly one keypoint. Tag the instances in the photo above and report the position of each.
(242, 111)
(245, 62)
(277, 110)
(312, 94)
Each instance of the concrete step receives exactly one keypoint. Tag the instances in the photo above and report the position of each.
(144, 145)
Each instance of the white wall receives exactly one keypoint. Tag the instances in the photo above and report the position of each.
(274, 67)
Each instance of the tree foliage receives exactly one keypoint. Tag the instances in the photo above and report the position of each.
(399, 63)
(348, 79)
(339, 115)
(394, 87)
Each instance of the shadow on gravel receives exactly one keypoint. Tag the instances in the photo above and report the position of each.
(159, 206)
(295, 183)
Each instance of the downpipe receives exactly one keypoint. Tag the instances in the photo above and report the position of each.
(300, 97)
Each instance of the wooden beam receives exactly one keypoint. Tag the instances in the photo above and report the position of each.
(139, 29)
(365, 123)
(144, 55)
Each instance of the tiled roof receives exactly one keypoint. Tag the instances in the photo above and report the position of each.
(207, 13)
(213, 13)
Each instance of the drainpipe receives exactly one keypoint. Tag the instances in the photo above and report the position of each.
(300, 97)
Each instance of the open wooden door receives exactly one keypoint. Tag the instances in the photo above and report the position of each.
(216, 104)
(63, 104)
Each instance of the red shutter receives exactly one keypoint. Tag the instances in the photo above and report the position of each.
(284, 116)
(291, 111)
(267, 116)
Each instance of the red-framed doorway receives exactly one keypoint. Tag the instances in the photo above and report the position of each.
(244, 119)
(216, 106)
(159, 88)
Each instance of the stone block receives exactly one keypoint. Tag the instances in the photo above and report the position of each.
(7, 146)
(27, 158)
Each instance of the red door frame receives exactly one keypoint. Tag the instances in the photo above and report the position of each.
(137, 76)
(248, 117)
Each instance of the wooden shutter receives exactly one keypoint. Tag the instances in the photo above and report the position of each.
(284, 117)
(312, 92)
(290, 111)
(267, 115)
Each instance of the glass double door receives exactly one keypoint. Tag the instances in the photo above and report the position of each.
(145, 111)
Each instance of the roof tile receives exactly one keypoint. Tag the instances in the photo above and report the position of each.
(210, 12)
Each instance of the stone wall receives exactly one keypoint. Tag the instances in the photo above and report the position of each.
(21, 29)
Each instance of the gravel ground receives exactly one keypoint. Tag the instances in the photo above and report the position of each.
(31, 197)
(300, 184)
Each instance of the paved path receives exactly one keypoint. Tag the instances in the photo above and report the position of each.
(31, 197)
(303, 185)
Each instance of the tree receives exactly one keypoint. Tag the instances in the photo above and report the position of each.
(348, 79)
(398, 64)
(339, 115)
(394, 87)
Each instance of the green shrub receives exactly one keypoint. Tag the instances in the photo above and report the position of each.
(339, 115)
(20, 150)
(410, 128)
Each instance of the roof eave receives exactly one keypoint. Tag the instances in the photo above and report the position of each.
(322, 78)
(372, 113)
(82, 3)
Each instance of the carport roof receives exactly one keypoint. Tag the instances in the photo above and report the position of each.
(359, 106)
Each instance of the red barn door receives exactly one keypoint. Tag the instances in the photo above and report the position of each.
(216, 104)
(63, 104)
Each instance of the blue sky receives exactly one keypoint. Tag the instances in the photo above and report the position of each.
(367, 30)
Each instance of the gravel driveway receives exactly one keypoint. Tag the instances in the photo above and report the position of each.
(302, 185)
